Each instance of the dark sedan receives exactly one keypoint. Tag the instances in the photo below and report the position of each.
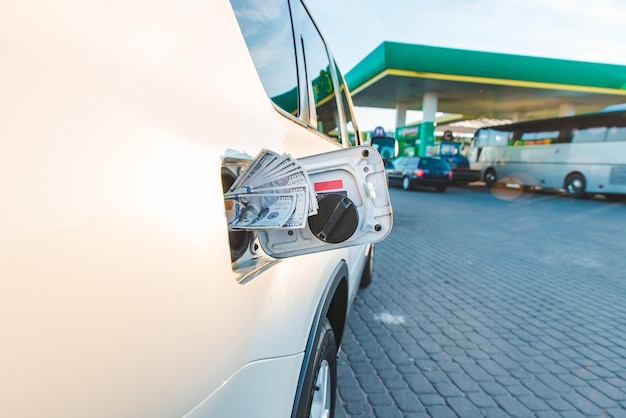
(412, 172)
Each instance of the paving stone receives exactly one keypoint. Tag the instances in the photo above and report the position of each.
(533, 403)
(477, 373)
(441, 411)
(548, 414)
(463, 407)
(512, 406)
(358, 409)
(431, 400)
(387, 412)
(448, 390)
(495, 413)
(371, 384)
(420, 384)
(482, 400)
(407, 400)
(351, 393)
(437, 376)
(380, 399)
(493, 388)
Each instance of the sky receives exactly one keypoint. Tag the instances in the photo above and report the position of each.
(580, 30)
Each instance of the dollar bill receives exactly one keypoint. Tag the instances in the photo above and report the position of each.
(260, 211)
(273, 191)
(262, 160)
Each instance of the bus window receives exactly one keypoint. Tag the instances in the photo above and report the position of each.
(616, 134)
(539, 138)
(589, 134)
(491, 137)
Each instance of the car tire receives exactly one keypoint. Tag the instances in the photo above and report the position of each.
(320, 388)
(440, 189)
(575, 185)
(366, 277)
(490, 177)
(406, 183)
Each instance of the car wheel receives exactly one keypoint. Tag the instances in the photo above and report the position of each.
(320, 387)
(406, 183)
(490, 177)
(575, 185)
(440, 189)
(366, 277)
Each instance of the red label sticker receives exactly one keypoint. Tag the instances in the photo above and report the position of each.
(323, 186)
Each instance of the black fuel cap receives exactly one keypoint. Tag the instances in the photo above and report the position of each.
(336, 220)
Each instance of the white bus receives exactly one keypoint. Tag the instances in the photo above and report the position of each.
(580, 154)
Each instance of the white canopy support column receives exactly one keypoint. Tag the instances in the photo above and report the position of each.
(401, 110)
(567, 109)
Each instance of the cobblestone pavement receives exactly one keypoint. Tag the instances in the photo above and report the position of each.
(482, 306)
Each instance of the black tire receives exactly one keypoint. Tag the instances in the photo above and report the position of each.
(320, 386)
(490, 177)
(406, 183)
(576, 185)
(366, 277)
(440, 189)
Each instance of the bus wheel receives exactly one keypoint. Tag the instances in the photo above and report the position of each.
(575, 185)
(490, 177)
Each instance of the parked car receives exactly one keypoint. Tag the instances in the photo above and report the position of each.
(451, 152)
(123, 291)
(412, 172)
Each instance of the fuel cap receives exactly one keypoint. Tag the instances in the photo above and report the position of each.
(336, 220)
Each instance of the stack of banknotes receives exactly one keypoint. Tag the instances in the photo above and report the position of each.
(273, 191)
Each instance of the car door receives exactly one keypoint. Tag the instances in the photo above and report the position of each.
(394, 173)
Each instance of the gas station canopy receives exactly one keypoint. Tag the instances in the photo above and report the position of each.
(483, 84)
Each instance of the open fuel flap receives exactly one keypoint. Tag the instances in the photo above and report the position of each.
(353, 205)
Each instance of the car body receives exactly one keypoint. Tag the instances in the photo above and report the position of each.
(412, 172)
(123, 292)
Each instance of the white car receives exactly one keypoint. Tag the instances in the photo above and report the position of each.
(123, 293)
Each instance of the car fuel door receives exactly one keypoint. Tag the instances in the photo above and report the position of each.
(353, 205)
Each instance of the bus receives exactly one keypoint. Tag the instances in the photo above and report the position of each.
(582, 154)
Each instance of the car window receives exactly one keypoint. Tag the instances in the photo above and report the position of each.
(350, 127)
(399, 162)
(325, 117)
(412, 162)
(433, 163)
(268, 32)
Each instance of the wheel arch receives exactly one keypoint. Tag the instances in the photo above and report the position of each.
(333, 305)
